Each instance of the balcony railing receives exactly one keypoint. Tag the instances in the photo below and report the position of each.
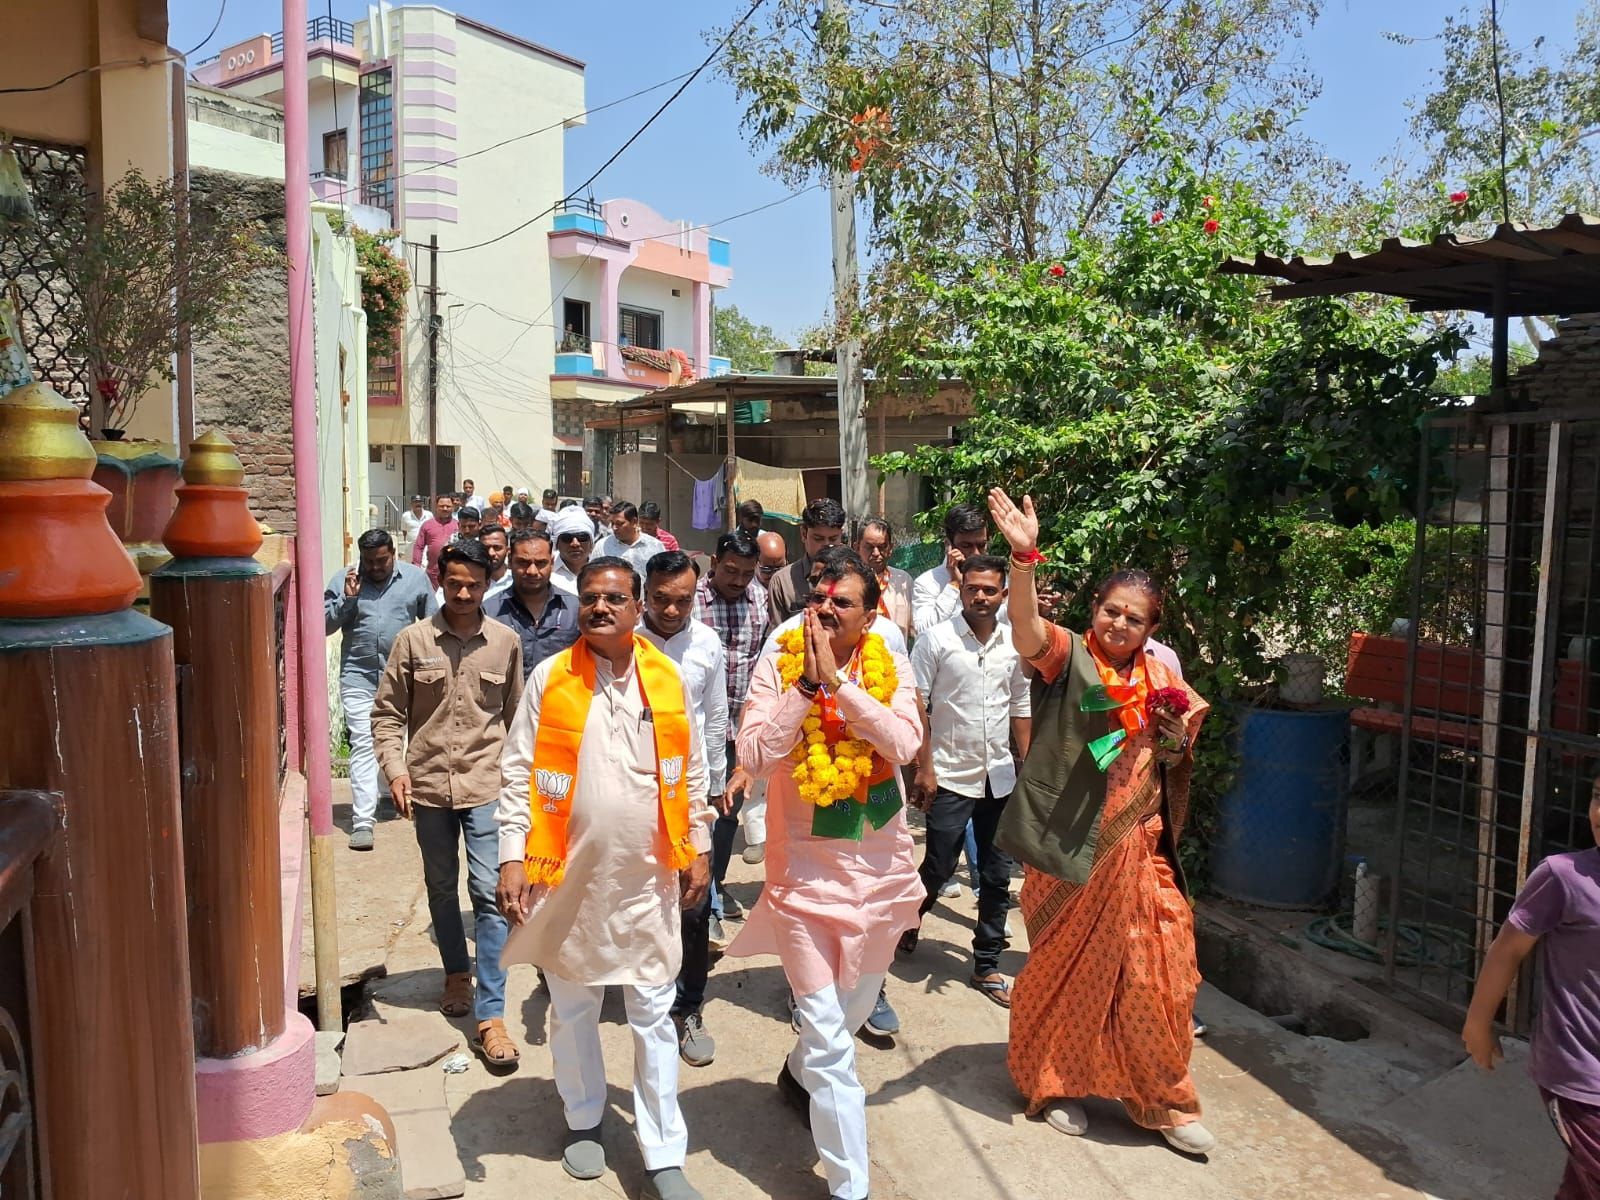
(579, 216)
(319, 29)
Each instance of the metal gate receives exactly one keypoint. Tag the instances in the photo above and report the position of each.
(1499, 748)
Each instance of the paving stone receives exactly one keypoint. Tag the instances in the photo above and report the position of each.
(402, 1044)
(430, 1167)
(328, 1064)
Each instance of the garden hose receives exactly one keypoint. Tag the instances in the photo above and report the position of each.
(1415, 944)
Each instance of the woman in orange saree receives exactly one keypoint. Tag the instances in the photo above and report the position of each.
(1105, 1003)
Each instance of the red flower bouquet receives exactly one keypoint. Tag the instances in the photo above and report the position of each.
(1173, 700)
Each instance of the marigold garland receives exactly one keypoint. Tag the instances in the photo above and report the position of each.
(829, 764)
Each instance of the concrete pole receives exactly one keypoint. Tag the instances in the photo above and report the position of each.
(318, 763)
(847, 353)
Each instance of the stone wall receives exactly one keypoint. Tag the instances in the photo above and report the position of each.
(241, 388)
(1566, 375)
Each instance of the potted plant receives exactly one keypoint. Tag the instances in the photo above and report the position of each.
(149, 269)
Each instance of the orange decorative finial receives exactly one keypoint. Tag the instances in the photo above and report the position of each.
(213, 518)
(45, 464)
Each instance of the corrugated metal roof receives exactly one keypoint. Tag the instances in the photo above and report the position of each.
(1544, 272)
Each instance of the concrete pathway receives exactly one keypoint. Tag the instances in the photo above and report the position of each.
(1296, 1116)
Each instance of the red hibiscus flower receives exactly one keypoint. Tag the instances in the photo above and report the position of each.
(1057, 270)
(1212, 225)
(1458, 197)
(1157, 217)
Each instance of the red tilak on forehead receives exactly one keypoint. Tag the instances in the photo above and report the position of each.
(833, 589)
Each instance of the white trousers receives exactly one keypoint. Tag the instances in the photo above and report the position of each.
(824, 1061)
(753, 812)
(580, 1069)
(356, 700)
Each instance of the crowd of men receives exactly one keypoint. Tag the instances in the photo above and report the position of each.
(592, 712)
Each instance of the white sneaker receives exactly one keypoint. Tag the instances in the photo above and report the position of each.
(1193, 1138)
(1067, 1116)
(950, 889)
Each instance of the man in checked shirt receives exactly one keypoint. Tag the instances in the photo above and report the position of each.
(735, 606)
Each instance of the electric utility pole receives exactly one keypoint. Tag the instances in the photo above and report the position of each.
(847, 353)
(433, 367)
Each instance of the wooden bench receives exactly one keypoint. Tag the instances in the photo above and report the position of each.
(1448, 688)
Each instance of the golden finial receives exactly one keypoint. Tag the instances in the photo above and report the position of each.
(212, 460)
(39, 434)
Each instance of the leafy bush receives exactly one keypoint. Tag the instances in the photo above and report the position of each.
(384, 284)
(1343, 581)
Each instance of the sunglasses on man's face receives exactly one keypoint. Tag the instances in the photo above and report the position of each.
(574, 537)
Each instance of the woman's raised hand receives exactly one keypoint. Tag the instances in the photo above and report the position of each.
(1019, 525)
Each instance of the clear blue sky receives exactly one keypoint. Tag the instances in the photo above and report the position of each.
(693, 163)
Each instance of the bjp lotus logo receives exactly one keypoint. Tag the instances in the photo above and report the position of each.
(553, 788)
(672, 773)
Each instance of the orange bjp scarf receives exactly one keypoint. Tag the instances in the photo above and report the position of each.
(1135, 693)
(563, 713)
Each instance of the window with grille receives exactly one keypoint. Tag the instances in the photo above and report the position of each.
(639, 327)
(377, 139)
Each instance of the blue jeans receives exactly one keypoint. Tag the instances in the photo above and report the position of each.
(439, 831)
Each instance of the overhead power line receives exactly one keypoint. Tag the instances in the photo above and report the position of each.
(636, 135)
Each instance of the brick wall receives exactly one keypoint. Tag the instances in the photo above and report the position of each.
(1567, 372)
(242, 389)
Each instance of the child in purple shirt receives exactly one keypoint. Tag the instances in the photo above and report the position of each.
(1559, 906)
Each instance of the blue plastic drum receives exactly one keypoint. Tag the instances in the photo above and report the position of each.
(1281, 827)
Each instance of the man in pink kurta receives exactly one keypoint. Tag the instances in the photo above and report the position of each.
(833, 906)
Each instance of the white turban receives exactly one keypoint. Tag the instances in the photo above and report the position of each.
(571, 520)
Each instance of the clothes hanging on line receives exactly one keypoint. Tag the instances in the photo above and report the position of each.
(708, 500)
(781, 490)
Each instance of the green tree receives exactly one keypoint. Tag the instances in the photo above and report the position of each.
(1472, 376)
(1166, 416)
(1552, 113)
(1001, 128)
(736, 337)
(1551, 119)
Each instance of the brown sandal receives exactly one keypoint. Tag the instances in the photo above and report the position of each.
(456, 999)
(494, 1045)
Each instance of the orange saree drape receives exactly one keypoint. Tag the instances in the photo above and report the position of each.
(1104, 1005)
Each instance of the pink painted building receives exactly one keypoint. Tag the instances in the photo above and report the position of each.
(634, 292)
(548, 309)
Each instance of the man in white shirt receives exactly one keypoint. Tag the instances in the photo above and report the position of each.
(669, 596)
(595, 873)
(411, 521)
(573, 536)
(627, 540)
(977, 702)
(875, 542)
(936, 594)
(497, 543)
(549, 505)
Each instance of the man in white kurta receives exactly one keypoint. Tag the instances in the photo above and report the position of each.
(614, 917)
